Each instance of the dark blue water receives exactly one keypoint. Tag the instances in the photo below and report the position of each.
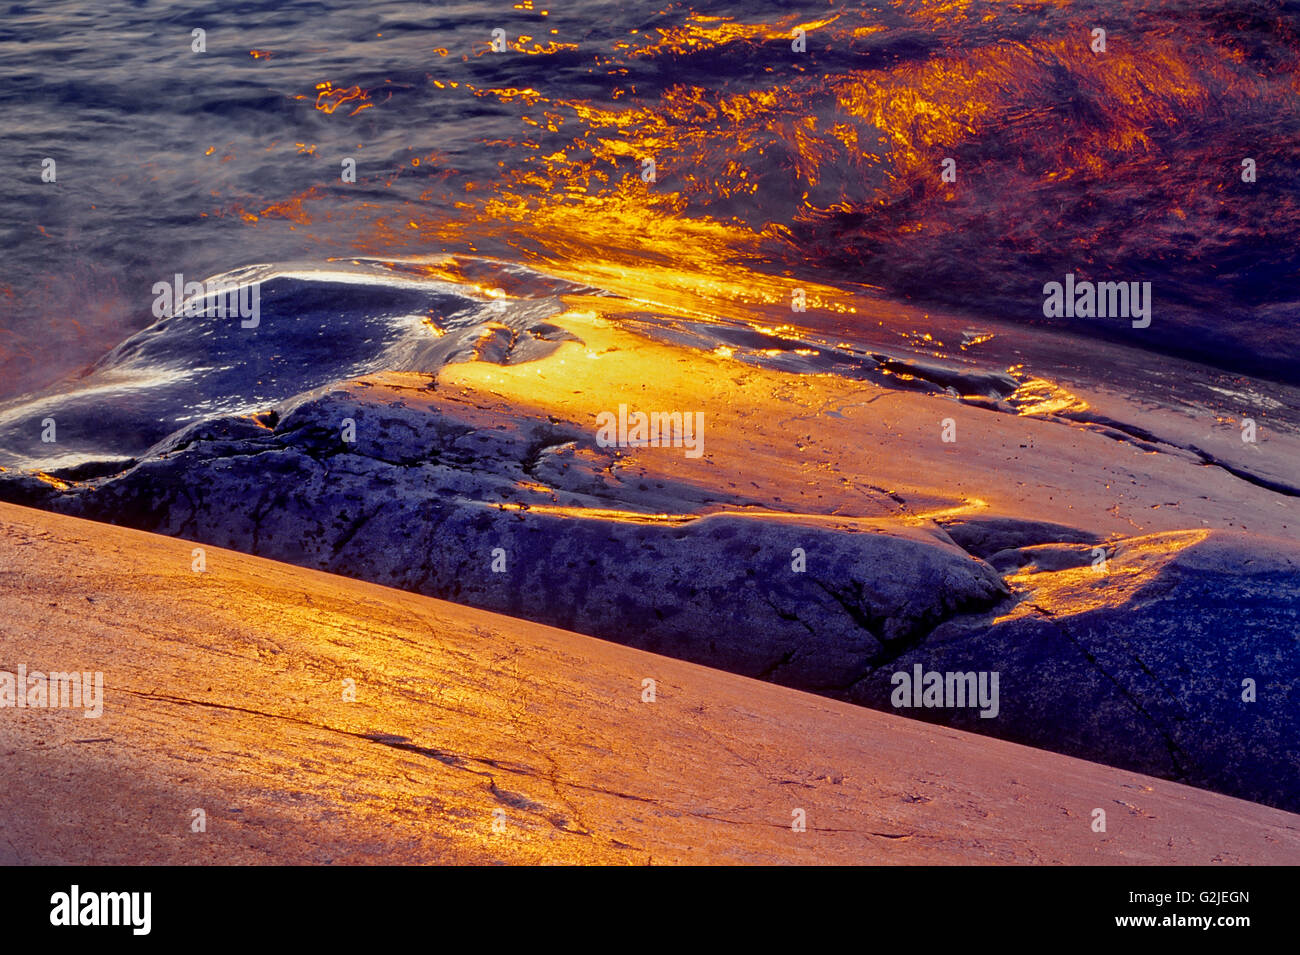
(826, 163)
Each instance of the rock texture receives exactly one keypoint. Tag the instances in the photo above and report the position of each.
(1179, 659)
(867, 499)
(476, 738)
(1140, 666)
(522, 517)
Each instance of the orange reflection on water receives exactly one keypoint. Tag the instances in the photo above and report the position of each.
(329, 98)
(51, 480)
(741, 178)
(1137, 562)
(702, 32)
(1040, 397)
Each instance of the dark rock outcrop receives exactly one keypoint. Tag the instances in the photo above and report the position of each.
(521, 518)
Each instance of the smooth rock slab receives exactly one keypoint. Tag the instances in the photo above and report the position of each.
(475, 738)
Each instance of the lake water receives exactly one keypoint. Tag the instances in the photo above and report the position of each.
(819, 157)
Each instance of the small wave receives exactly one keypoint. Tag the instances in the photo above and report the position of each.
(315, 326)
